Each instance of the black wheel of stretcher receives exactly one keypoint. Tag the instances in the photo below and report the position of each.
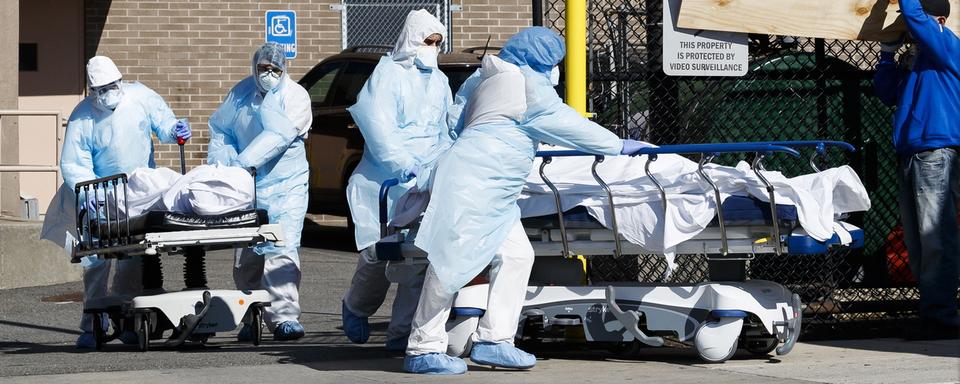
(143, 333)
(99, 334)
(256, 324)
(760, 346)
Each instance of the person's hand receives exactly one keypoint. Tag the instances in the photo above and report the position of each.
(91, 205)
(631, 147)
(412, 173)
(182, 130)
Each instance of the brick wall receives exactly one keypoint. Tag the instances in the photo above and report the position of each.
(193, 51)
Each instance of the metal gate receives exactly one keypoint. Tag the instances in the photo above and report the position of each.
(796, 88)
(378, 22)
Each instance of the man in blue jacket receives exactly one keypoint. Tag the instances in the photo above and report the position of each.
(925, 88)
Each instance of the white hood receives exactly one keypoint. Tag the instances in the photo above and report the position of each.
(419, 25)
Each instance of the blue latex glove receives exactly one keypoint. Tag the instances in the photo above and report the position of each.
(630, 147)
(183, 130)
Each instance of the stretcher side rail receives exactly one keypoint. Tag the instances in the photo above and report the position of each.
(707, 152)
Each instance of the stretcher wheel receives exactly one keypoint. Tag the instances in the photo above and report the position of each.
(99, 334)
(761, 346)
(256, 324)
(716, 341)
(143, 332)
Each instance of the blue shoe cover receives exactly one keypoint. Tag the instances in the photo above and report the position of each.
(355, 327)
(245, 335)
(288, 330)
(434, 364)
(502, 355)
(129, 337)
(86, 341)
(397, 345)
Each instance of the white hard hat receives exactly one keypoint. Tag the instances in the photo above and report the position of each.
(101, 71)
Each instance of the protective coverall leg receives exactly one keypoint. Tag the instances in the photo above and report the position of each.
(509, 273)
(368, 290)
(272, 268)
(96, 282)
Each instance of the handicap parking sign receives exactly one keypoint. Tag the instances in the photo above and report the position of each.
(282, 29)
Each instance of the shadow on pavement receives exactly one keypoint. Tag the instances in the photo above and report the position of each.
(327, 237)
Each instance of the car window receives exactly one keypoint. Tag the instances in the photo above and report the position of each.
(319, 81)
(350, 82)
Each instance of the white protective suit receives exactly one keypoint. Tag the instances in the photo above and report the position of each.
(473, 220)
(101, 142)
(402, 112)
(266, 130)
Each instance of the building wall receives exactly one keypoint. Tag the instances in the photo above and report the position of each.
(9, 127)
(193, 51)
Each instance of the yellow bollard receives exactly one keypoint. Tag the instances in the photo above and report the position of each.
(575, 64)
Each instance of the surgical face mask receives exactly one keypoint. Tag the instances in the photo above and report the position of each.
(268, 80)
(109, 96)
(555, 76)
(427, 56)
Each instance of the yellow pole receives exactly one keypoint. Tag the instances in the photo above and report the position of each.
(576, 61)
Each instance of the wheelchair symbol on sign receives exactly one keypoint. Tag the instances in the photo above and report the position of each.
(280, 26)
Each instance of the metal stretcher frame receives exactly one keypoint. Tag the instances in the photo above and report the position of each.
(115, 240)
(706, 241)
(720, 240)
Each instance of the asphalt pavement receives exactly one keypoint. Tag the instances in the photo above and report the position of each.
(38, 327)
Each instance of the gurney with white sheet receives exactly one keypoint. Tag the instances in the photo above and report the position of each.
(193, 314)
(729, 214)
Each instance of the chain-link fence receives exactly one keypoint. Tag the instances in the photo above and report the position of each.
(378, 22)
(796, 88)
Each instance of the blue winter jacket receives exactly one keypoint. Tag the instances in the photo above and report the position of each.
(927, 96)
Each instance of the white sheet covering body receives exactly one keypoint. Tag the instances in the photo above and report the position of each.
(205, 190)
(819, 197)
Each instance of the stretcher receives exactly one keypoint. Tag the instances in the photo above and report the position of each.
(193, 314)
(717, 317)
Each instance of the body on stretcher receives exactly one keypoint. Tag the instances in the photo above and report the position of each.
(717, 317)
(194, 313)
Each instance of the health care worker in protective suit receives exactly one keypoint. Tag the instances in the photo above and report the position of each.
(402, 113)
(262, 124)
(473, 220)
(108, 133)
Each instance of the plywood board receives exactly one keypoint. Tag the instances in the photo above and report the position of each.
(875, 20)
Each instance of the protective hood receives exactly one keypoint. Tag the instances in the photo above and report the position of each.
(101, 71)
(536, 47)
(269, 53)
(419, 25)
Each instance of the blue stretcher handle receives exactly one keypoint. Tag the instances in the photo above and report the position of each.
(689, 149)
(821, 145)
(384, 189)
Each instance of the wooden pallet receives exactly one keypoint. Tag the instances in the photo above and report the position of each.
(875, 20)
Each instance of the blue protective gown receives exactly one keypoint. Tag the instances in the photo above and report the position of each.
(101, 143)
(402, 113)
(267, 132)
(478, 180)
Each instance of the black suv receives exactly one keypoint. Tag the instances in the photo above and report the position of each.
(335, 145)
